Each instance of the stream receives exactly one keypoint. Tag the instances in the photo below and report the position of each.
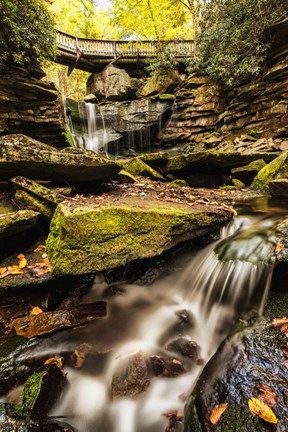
(181, 318)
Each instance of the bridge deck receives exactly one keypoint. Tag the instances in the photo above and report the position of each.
(93, 55)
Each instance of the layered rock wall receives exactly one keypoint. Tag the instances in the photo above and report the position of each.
(258, 107)
(30, 106)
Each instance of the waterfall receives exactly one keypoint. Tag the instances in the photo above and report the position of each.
(199, 305)
(87, 127)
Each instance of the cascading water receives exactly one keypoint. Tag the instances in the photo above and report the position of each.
(89, 132)
(198, 306)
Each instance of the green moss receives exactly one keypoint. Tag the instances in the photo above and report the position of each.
(125, 177)
(137, 167)
(228, 187)
(89, 239)
(238, 184)
(238, 419)
(26, 199)
(14, 411)
(276, 169)
(32, 389)
(179, 183)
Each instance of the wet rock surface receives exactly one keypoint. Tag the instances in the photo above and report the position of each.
(250, 358)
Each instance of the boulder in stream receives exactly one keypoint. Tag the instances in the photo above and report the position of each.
(93, 234)
(249, 364)
(277, 169)
(16, 418)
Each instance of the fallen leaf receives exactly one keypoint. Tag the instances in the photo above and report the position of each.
(44, 255)
(20, 256)
(3, 270)
(17, 271)
(6, 273)
(284, 329)
(217, 412)
(278, 322)
(262, 410)
(22, 261)
(36, 311)
(39, 248)
(278, 247)
(268, 396)
(54, 360)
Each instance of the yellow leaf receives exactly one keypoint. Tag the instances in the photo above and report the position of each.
(3, 270)
(36, 311)
(17, 272)
(23, 263)
(52, 360)
(259, 408)
(20, 256)
(217, 412)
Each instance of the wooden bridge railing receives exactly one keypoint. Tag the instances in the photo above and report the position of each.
(113, 49)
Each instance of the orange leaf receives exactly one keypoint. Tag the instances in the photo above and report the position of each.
(259, 408)
(284, 329)
(39, 248)
(3, 270)
(36, 311)
(278, 247)
(278, 322)
(217, 412)
(20, 256)
(267, 395)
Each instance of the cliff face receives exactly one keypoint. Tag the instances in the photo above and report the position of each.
(30, 106)
(258, 107)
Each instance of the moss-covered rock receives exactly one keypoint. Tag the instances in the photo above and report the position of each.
(16, 418)
(276, 169)
(100, 235)
(136, 167)
(247, 173)
(17, 222)
(24, 156)
(125, 177)
(248, 359)
(25, 199)
(238, 183)
(44, 388)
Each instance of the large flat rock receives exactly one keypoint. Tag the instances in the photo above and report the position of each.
(94, 234)
(24, 156)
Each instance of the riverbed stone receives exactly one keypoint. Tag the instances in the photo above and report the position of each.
(279, 188)
(24, 156)
(277, 169)
(246, 360)
(95, 234)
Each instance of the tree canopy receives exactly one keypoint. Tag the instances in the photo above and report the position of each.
(232, 45)
(27, 32)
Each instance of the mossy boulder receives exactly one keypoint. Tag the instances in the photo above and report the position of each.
(17, 222)
(25, 199)
(24, 156)
(136, 167)
(214, 159)
(247, 173)
(98, 235)
(44, 388)
(277, 169)
(250, 358)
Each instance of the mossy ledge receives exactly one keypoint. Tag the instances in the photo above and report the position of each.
(97, 235)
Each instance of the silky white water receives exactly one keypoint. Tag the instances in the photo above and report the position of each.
(199, 304)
